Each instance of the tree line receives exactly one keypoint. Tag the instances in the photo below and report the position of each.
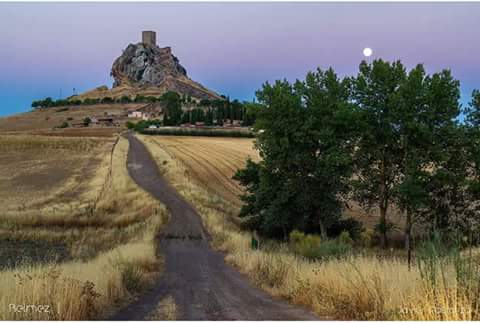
(210, 112)
(386, 137)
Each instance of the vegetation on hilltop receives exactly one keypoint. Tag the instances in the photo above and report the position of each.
(179, 109)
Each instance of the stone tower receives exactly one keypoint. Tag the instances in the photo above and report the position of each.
(149, 37)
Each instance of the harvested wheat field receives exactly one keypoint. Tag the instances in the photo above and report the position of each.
(211, 162)
(73, 221)
(36, 170)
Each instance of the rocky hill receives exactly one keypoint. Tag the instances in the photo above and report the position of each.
(146, 69)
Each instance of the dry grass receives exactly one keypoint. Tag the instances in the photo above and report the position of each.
(355, 288)
(77, 290)
(166, 310)
(112, 242)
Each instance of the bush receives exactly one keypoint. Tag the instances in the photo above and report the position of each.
(311, 246)
(304, 244)
(63, 125)
(125, 99)
(332, 249)
(107, 100)
(130, 125)
(386, 227)
(345, 238)
(350, 225)
(132, 277)
(366, 238)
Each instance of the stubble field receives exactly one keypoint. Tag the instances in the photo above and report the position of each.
(76, 233)
(211, 162)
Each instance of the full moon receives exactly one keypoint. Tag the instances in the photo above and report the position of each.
(367, 52)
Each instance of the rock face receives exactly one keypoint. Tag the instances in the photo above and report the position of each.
(146, 66)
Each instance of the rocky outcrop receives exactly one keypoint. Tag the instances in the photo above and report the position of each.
(146, 65)
(148, 70)
(149, 66)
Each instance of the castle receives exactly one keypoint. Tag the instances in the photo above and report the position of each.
(149, 37)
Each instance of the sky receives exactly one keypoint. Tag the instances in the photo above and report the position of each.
(48, 49)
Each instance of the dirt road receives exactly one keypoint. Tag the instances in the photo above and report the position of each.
(203, 285)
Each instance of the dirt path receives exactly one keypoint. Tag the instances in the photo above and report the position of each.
(203, 286)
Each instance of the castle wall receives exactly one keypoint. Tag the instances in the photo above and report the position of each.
(149, 37)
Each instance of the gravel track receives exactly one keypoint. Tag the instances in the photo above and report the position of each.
(203, 285)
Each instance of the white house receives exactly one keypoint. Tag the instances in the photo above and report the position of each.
(135, 114)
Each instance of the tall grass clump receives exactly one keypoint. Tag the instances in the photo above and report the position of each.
(450, 282)
(77, 290)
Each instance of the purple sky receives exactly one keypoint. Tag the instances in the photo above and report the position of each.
(231, 48)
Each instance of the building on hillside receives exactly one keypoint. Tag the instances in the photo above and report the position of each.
(93, 121)
(135, 114)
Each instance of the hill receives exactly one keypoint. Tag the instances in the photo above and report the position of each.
(41, 121)
(148, 70)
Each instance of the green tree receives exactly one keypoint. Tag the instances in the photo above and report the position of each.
(173, 105)
(107, 100)
(426, 114)
(87, 121)
(376, 92)
(306, 148)
(252, 110)
(125, 99)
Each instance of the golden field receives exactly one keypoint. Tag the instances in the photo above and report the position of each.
(106, 224)
(210, 162)
(360, 287)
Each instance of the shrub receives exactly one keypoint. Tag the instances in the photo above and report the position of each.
(63, 125)
(332, 249)
(345, 238)
(130, 125)
(350, 225)
(366, 238)
(107, 100)
(132, 277)
(305, 244)
(125, 99)
(384, 227)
